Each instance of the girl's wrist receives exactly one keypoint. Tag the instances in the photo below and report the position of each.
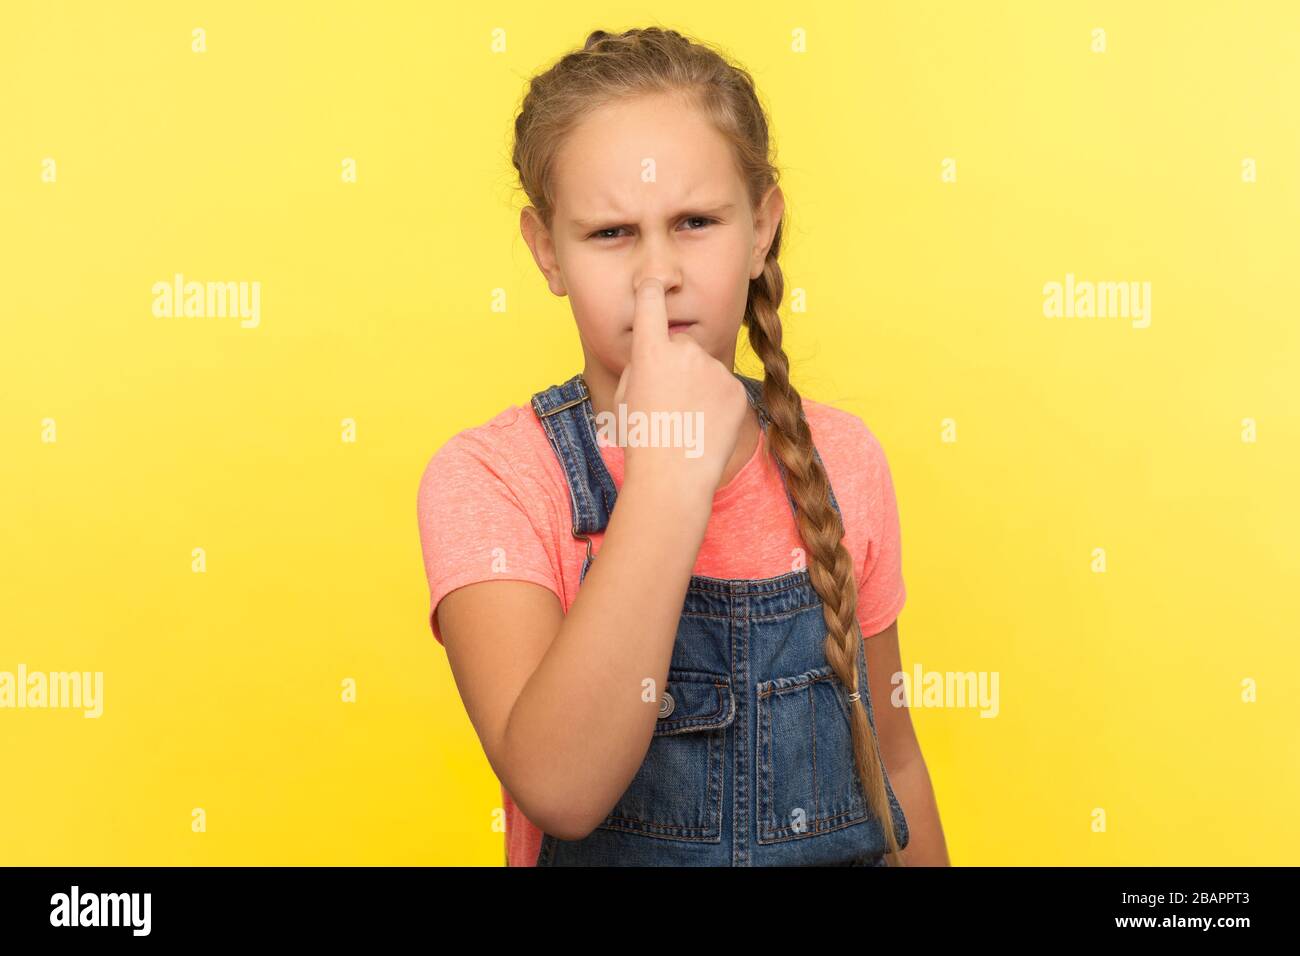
(673, 495)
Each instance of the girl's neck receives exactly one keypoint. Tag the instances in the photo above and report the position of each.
(601, 388)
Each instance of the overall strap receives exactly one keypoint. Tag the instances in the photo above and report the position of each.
(566, 415)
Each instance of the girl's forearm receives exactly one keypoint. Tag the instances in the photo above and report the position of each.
(912, 787)
(582, 724)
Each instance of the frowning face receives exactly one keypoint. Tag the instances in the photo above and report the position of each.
(646, 187)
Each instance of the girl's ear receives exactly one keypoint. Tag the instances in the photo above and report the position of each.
(766, 218)
(542, 248)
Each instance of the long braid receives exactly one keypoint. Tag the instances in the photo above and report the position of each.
(830, 566)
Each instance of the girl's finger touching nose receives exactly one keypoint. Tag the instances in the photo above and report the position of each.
(650, 318)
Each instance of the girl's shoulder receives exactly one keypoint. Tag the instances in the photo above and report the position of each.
(854, 457)
(509, 448)
(839, 430)
(514, 433)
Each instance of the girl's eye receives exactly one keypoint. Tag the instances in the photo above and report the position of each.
(603, 233)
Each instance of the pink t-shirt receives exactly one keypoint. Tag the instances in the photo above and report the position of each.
(494, 505)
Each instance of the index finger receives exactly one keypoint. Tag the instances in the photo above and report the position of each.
(650, 318)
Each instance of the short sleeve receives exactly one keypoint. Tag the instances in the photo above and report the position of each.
(881, 592)
(475, 526)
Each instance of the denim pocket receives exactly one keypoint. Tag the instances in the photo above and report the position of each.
(677, 791)
(806, 782)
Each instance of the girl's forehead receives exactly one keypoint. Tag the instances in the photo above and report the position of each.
(642, 118)
(610, 160)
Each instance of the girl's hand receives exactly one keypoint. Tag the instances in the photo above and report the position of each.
(674, 374)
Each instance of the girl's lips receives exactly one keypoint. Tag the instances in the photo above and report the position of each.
(672, 326)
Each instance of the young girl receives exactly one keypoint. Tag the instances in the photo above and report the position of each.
(661, 648)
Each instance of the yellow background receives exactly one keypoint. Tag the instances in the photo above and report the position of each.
(1119, 690)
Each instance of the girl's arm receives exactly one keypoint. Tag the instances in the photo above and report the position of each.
(557, 700)
(902, 755)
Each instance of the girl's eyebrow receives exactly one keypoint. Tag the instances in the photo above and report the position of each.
(696, 210)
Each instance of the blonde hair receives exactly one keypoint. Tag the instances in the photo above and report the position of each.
(656, 61)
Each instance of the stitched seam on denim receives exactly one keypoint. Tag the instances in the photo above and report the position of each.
(848, 818)
(767, 813)
(584, 423)
(574, 461)
(812, 733)
(769, 831)
(709, 832)
(713, 799)
(712, 585)
(766, 688)
(694, 723)
(556, 436)
(571, 460)
(592, 499)
(774, 616)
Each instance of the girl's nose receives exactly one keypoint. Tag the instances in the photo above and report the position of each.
(660, 260)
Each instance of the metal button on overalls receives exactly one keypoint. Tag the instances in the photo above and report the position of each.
(666, 705)
(756, 767)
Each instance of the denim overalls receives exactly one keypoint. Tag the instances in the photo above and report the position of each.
(751, 761)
